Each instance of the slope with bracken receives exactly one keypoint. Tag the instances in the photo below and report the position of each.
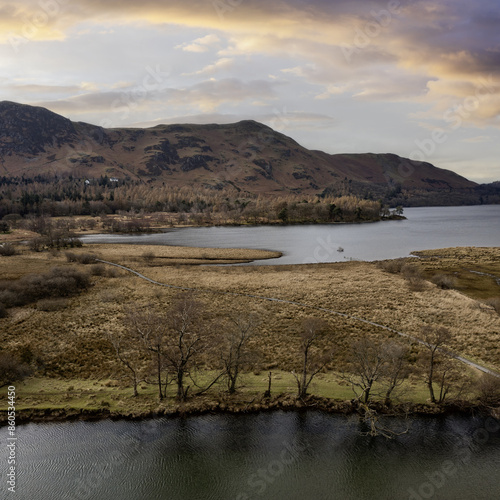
(246, 155)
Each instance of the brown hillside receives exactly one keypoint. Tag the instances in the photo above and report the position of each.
(247, 155)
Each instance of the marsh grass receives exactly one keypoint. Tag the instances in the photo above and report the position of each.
(50, 393)
(473, 268)
(73, 345)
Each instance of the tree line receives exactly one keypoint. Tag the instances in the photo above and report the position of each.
(57, 197)
(172, 347)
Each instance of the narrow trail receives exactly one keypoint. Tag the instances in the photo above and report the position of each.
(466, 361)
(496, 278)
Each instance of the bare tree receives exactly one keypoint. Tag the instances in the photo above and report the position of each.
(312, 360)
(150, 329)
(378, 425)
(235, 354)
(372, 362)
(185, 341)
(128, 351)
(377, 368)
(489, 389)
(396, 369)
(435, 340)
(367, 366)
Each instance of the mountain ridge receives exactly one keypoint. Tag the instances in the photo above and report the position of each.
(246, 155)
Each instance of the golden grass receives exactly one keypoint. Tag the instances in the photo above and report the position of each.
(73, 344)
(160, 255)
(459, 262)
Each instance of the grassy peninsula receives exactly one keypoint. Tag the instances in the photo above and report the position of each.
(74, 368)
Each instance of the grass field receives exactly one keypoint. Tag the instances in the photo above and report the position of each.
(464, 264)
(73, 346)
(89, 394)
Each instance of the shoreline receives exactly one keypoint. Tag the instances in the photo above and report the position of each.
(279, 403)
(166, 229)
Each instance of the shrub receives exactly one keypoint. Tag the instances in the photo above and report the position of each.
(411, 271)
(67, 281)
(59, 282)
(12, 219)
(10, 297)
(36, 244)
(75, 242)
(70, 256)
(494, 302)
(98, 270)
(7, 250)
(416, 283)
(489, 389)
(392, 266)
(148, 257)
(112, 272)
(12, 369)
(444, 281)
(81, 258)
(85, 258)
(50, 305)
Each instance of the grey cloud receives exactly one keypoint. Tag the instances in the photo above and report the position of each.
(211, 93)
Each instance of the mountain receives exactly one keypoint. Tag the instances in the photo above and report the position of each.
(247, 155)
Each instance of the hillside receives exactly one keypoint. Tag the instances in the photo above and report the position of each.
(247, 155)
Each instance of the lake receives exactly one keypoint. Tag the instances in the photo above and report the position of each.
(424, 228)
(279, 456)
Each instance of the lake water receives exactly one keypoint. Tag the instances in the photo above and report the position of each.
(278, 456)
(425, 228)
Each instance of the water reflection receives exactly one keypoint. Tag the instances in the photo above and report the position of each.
(425, 228)
(292, 455)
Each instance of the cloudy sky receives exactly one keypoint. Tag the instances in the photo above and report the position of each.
(414, 77)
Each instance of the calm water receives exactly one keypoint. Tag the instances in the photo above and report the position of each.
(425, 228)
(278, 456)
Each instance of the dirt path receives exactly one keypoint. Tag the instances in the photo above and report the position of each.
(466, 361)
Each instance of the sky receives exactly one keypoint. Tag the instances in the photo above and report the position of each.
(417, 78)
